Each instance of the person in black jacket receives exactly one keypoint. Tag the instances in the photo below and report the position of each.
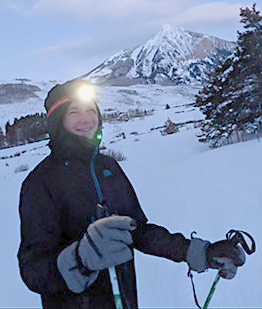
(80, 217)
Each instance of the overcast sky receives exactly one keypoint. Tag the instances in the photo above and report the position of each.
(62, 39)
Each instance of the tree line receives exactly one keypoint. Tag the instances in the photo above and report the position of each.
(28, 129)
(232, 99)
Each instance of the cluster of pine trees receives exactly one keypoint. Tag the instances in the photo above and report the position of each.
(232, 99)
(31, 128)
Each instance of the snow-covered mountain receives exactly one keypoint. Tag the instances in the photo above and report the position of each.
(172, 56)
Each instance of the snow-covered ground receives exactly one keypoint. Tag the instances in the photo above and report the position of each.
(182, 185)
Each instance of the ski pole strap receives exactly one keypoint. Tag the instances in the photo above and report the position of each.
(189, 274)
(236, 237)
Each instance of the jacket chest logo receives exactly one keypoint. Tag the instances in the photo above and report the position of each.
(107, 173)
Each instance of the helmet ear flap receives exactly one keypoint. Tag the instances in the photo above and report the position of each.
(55, 121)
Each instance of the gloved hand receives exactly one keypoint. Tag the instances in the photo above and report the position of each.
(105, 244)
(220, 255)
(224, 256)
(106, 241)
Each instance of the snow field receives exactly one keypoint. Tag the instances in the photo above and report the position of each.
(182, 185)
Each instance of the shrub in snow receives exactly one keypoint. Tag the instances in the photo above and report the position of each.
(170, 127)
(133, 113)
(103, 147)
(21, 168)
(2, 139)
(117, 155)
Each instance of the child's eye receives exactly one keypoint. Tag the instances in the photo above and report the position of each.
(73, 112)
(90, 110)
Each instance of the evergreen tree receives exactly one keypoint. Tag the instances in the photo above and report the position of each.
(214, 101)
(250, 54)
(231, 100)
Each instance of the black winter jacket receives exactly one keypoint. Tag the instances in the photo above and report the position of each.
(57, 204)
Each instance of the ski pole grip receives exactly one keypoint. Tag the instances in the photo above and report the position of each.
(235, 237)
(101, 211)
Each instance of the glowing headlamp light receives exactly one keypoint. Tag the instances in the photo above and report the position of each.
(86, 93)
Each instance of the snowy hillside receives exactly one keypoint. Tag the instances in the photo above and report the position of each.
(182, 185)
(171, 56)
(22, 98)
(119, 99)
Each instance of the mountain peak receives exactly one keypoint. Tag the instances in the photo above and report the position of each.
(171, 31)
(173, 55)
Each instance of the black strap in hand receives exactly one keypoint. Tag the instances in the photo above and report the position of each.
(235, 237)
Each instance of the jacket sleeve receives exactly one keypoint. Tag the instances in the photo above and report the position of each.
(156, 240)
(41, 238)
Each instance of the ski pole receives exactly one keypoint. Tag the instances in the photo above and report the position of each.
(115, 287)
(234, 237)
(211, 292)
(102, 211)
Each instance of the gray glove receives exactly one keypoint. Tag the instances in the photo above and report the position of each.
(106, 241)
(220, 255)
(76, 280)
(105, 244)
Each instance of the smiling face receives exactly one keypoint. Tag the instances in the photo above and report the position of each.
(81, 119)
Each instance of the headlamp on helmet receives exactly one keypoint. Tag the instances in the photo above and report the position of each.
(84, 93)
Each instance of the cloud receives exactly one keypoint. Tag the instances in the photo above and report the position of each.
(81, 49)
(120, 10)
(210, 12)
(108, 9)
(185, 12)
(87, 9)
(135, 14)
(138, 14)
(127, 23)
(72, 49)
